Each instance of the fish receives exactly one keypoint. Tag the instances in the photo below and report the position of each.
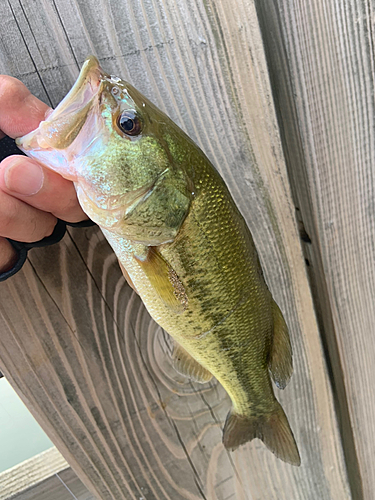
(181, 242)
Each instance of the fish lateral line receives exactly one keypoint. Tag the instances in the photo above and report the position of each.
(147, 184)
(239, 303)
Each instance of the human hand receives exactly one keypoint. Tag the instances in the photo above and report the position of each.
(31, 197)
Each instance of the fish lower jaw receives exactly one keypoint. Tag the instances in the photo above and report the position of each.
(58, 161)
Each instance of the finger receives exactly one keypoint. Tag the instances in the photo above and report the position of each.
(22, 222)
(21, 111)
(40, 187)
(8, 256)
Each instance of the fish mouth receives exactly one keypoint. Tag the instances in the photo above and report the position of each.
(62, 125)
(83, 90)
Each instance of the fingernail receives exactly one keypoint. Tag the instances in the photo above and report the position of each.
(23, 177)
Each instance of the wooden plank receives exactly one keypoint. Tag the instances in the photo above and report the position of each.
(30, 473)
(321, 59)
(77, 344)
(63, 485)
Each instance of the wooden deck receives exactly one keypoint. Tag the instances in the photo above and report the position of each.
(280, 95)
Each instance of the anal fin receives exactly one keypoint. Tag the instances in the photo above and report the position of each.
(280, 363)
(186, 365)
(164, 280)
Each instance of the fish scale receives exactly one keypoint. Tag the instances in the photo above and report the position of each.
(181, 242)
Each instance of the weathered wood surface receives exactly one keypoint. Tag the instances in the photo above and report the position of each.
(321, 59)
(96, 373)
(77, 344)
(30, 473)
(46, 476)
(62, 486)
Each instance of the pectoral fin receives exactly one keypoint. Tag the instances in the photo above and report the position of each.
(186, 365)
(164, 280)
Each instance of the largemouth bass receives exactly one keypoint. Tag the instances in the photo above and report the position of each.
(181, 242)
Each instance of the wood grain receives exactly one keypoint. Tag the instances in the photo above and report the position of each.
(30, 473)
(321, 60)
(78, 345)
(62, 486)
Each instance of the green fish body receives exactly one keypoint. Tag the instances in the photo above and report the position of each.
(181, 242)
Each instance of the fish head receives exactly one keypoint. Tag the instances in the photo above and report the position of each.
(122, 153)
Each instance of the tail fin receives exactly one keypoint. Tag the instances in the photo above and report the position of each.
(273, 429)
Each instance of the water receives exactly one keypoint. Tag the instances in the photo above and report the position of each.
(20, 435)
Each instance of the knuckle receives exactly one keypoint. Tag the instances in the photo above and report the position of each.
(24, 225)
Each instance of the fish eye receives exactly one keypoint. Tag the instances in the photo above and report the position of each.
(129, 123)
